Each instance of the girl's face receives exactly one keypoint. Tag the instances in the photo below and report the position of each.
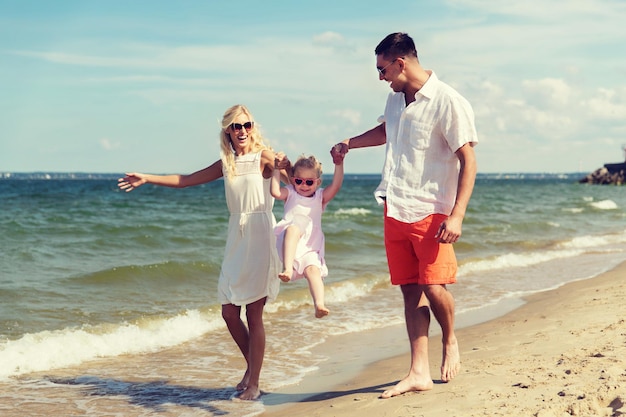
(239, 132)
(308, 181)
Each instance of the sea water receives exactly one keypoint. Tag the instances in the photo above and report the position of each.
(112, 295)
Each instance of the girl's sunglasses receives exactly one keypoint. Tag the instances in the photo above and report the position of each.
(308, 182)
(239, 126)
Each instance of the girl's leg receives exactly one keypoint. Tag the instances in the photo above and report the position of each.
(254, 314)
(316, 286)
(232, 316)
(290, 242)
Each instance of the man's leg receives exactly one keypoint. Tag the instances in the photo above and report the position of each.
(442, 305)
(417, 317)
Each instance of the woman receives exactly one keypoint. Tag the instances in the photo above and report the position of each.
(251, 265)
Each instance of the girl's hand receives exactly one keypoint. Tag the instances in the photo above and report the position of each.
(338, 152)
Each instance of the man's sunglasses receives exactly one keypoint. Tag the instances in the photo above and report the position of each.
(308, 182)
(382, 71)
(239, 126)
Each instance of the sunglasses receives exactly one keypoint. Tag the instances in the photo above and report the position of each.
(382, 71)
(239, 126)
(308, 182)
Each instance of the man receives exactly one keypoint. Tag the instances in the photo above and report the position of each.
(427, 180)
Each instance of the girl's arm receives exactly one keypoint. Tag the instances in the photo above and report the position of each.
(133, 180)
(334, 187)
(278, 192)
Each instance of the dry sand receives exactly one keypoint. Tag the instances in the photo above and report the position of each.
(563, 353)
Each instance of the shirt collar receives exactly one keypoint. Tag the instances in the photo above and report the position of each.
(430, 86)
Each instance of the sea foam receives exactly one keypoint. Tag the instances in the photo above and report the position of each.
(48, 350)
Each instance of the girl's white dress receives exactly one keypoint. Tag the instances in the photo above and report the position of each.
(251, 265)
(306, 213)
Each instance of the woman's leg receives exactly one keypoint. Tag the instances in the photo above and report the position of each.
(256, 352)
(232, 316)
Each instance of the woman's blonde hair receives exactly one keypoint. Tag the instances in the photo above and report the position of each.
(257, 142)
(308, 162)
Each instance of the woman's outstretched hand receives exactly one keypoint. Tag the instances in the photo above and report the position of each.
(131, 181)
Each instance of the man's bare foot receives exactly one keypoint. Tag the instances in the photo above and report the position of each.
(250, 394)
(321, 311)
(408, 384)
(244, 382)
(451, 362)
(284, 276)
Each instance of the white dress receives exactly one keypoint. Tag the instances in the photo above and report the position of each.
(250, 267)
(306, 214)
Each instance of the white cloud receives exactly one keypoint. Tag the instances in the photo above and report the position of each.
(107, 145)
(328, 38)
(351, 115)
(554, 92)
(607, 104)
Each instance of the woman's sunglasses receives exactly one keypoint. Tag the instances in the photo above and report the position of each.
(308, 182)
(239, 126)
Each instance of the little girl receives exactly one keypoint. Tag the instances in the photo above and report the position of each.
(299, 235)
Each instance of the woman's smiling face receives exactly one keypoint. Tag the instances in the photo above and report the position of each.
(239, 132)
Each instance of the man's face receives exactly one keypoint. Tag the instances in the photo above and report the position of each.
(388, 70)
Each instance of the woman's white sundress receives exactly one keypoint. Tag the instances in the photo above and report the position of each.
(250, 267)
(306, 213)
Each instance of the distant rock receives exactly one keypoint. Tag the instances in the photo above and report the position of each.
(609, 174)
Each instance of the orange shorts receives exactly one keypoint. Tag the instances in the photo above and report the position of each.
(415, 256)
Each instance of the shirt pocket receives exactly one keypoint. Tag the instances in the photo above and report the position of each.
(419, 134)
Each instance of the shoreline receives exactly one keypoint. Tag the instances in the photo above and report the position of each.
(561, 351)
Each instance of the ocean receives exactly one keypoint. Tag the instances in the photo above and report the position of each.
(109, 297)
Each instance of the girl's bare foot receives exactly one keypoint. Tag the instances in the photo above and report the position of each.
(321, 311)
(284, 276)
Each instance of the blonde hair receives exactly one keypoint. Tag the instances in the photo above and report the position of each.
(257, 142)
(308, 162)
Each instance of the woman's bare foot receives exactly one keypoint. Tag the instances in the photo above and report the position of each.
(284, 276)
(250, 394)
(408, 384)
(244, 382)
(451, 362)
(321, 311)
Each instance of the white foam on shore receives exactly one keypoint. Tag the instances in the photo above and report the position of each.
(567, 249)
(48, 350)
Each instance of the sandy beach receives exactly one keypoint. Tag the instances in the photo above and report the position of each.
(558, 353)
(562, 353)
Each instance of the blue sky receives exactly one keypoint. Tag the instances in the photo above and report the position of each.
(115, 86)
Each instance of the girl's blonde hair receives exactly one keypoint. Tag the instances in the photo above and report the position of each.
(308, 162)
(257, 142)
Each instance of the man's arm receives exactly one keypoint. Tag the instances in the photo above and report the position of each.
(450, 230)
(373, 137)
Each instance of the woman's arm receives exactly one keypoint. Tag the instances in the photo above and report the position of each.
(133, 180)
